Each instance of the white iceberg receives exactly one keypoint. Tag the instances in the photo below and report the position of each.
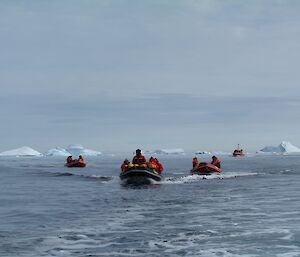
(168, 151)
(80, 150)
(285, 147)
(57, 151)
(22, 151)
(202, 152)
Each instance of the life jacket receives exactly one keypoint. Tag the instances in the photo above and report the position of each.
(159, 166)
(124, 166)
(152, 165)
(139, 159)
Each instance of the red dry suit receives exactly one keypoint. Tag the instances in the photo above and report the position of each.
(195, 161)
(139, 159)
(159, 168)
(69, 159)
(216, 162)
(124, 166)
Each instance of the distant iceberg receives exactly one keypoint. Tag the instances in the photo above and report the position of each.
(167, 151)
(212, 153)
(22, 151)
(285, 147)
(57, 151)
(202, 152)
(80, 150)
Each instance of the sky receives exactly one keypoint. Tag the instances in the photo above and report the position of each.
(117, 75)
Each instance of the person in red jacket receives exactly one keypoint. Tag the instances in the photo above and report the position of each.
(215, 161)
(80, 159)
(195, 162)
(139, 158)
(69, 159)
(124, 165)
(160, 168)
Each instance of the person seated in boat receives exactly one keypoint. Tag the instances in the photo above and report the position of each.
(215, 161)
(69, 159)
(151, 163)
(195, 162)
(125, 165)
(139, 158)
(160, 168)
(80, 159)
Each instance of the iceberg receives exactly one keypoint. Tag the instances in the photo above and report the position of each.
(57, 151)
(80, 150)
(167, 151)
(22, 151)
(285, 147)
(202, 152)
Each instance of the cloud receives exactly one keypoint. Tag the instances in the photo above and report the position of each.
(170, 70)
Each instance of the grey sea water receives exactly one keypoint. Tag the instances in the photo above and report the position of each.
(252, 209)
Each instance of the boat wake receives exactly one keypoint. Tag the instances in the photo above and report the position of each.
(195, 178)
(92, 176)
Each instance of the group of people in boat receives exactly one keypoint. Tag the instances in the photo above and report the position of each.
(238, 152)
(73, 162)
(215, 161)
(139, 160)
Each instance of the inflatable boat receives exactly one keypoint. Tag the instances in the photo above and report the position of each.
(206, 169)
(140, 175)
(238, 153)
(75, 164)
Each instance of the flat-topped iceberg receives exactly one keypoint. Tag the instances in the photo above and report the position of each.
(167, 151)
(285, 147)
(80, 150)
(57, 151)
(22, 151)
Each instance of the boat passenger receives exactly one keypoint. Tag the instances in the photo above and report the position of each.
(215, 161)
(139, 158)
(151, 163)
(69, 159)
(195, 162)
(124, 165)
(160, 168)
(80, 159)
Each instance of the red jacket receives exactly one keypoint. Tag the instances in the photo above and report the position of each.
(139, 159)
(216, 162)
(159, 168)
(195, 161)
(124, 166)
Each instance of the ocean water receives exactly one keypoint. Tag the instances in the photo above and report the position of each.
(251, 209)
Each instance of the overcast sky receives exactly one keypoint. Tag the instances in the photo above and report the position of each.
(115, 75)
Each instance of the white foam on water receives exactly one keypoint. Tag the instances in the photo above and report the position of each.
(195, 178)
(289, 254)
(216, 252)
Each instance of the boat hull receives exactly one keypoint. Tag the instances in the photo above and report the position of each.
(140, 175)
(238, 154)
(206, 169)
(75, 165)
